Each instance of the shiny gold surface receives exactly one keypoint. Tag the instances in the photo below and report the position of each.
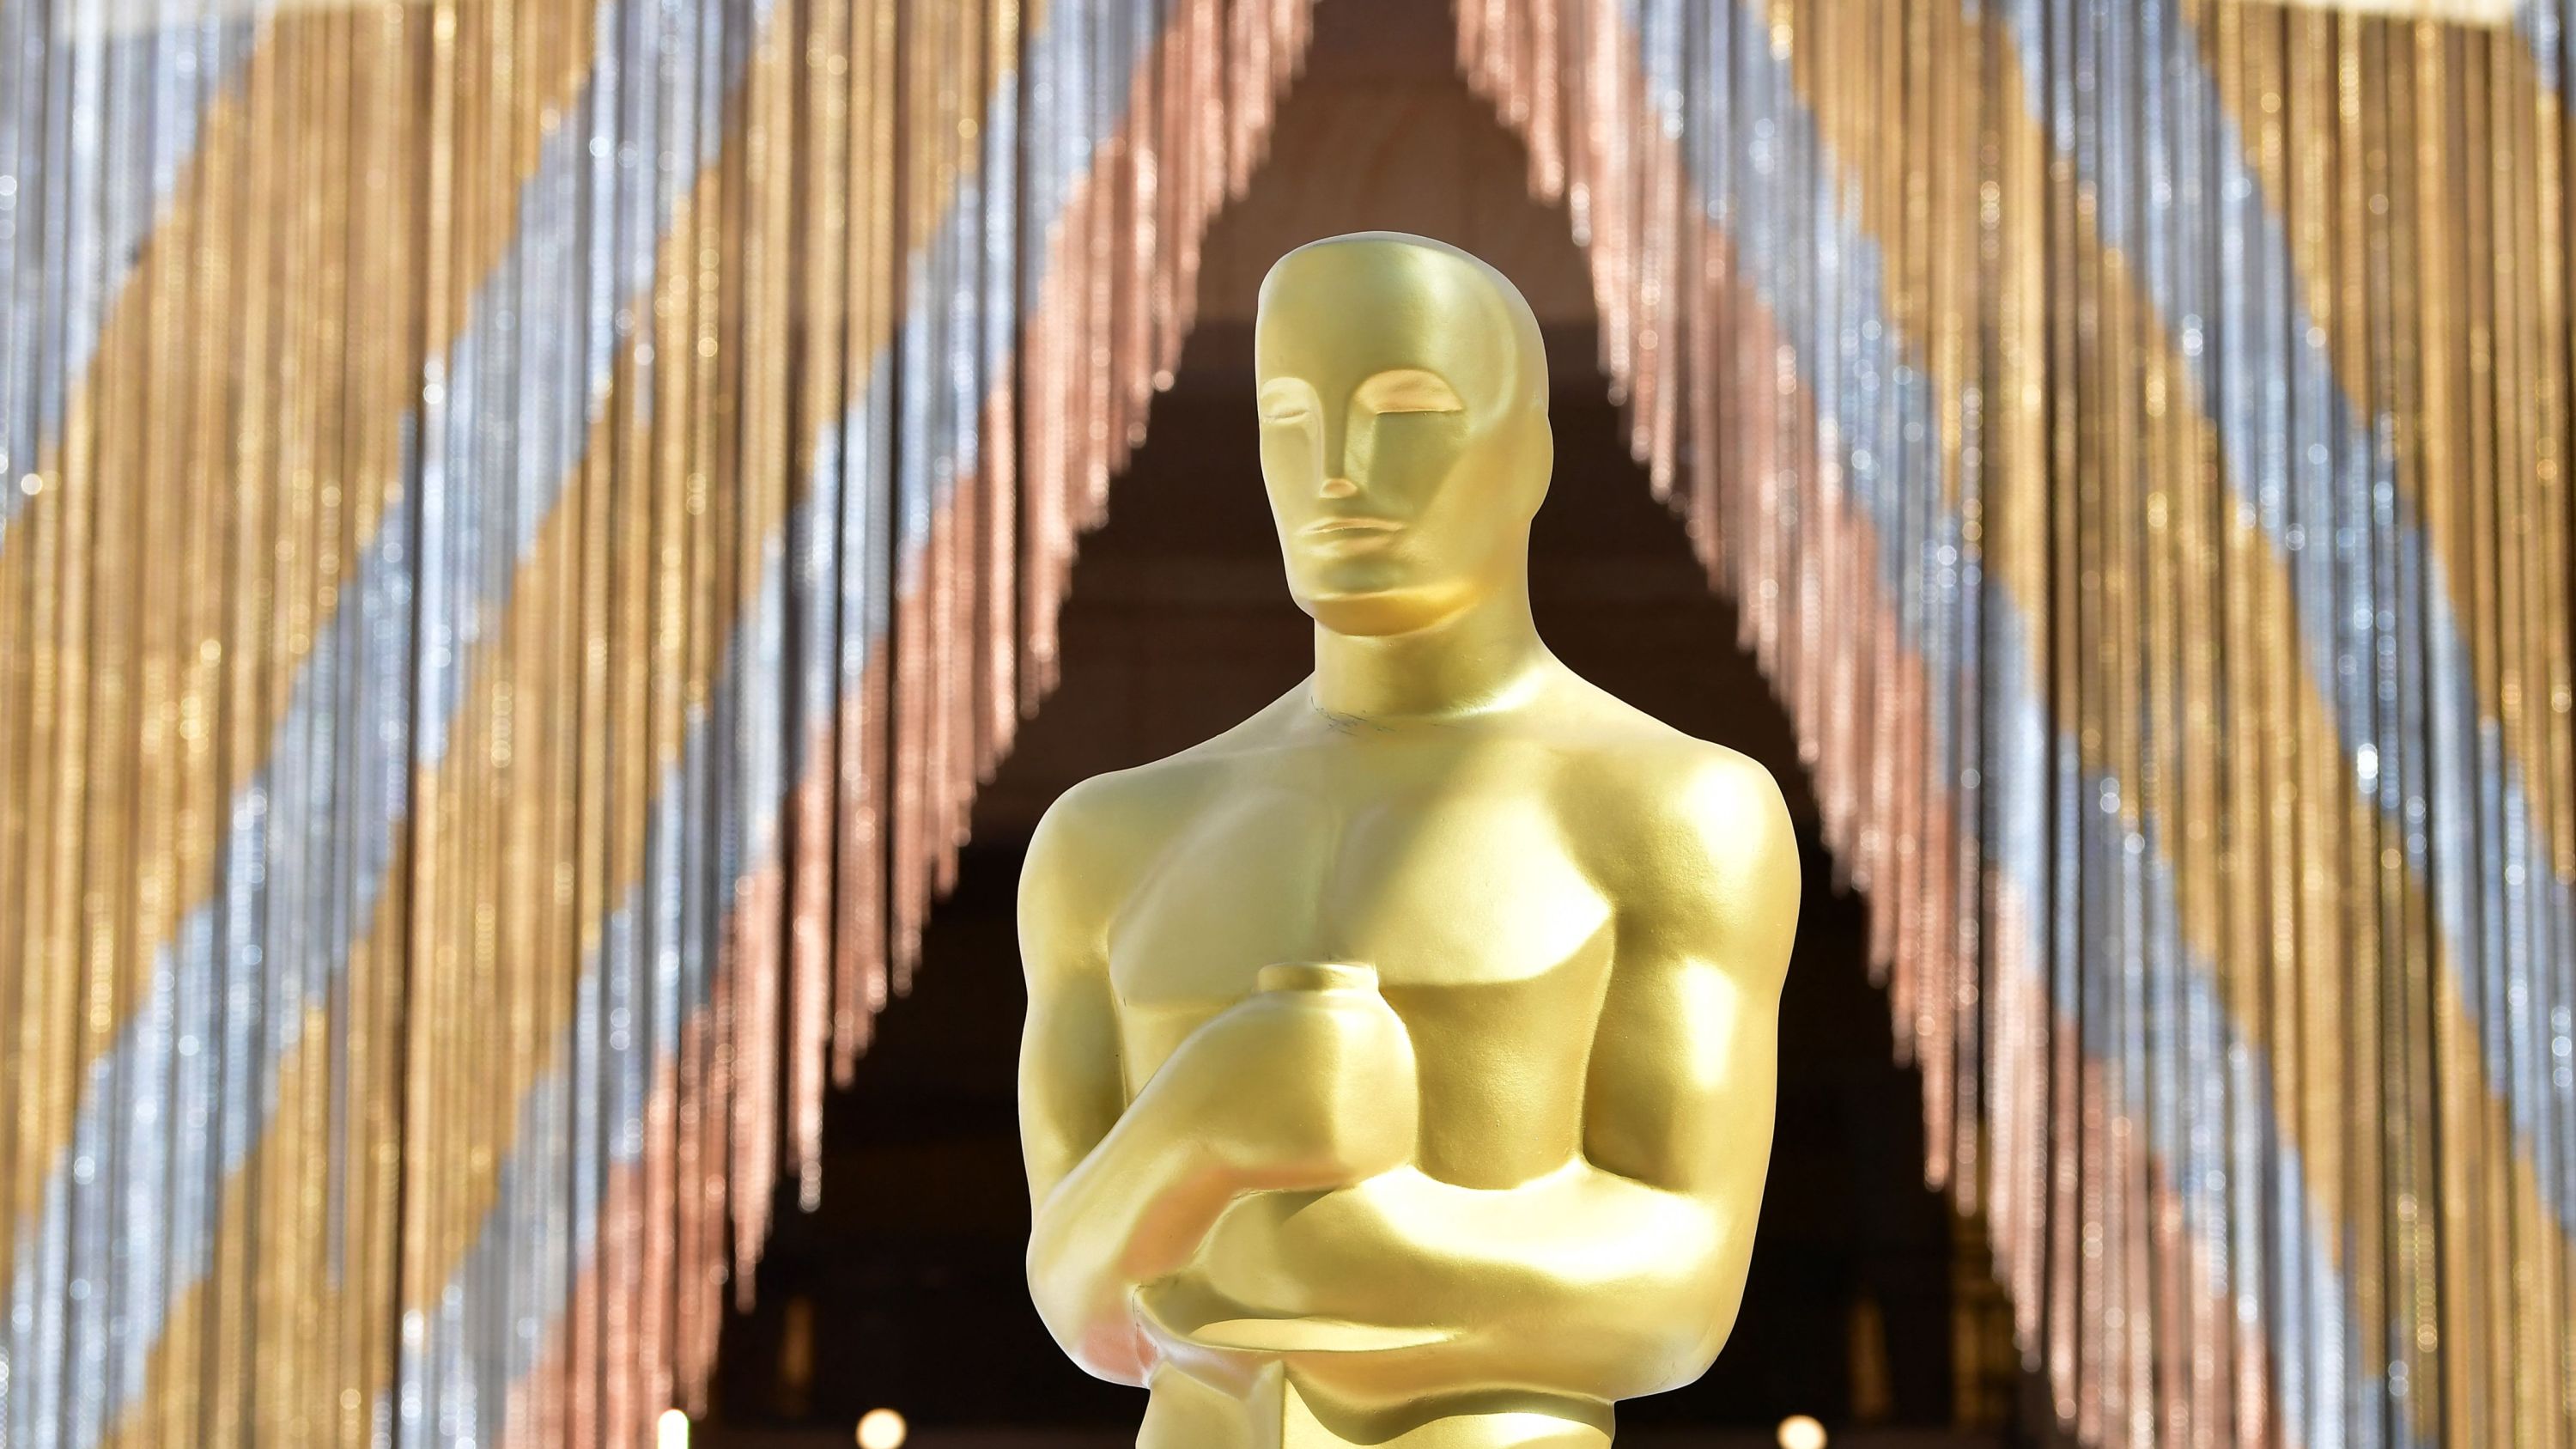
(523, 524)
(1399, 1064)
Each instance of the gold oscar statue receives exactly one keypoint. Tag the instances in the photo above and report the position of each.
(1400, 1063)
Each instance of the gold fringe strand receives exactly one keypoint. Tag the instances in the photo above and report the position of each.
(526, 524)
(2136, 436)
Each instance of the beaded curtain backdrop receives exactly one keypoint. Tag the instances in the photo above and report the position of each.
(526, 520)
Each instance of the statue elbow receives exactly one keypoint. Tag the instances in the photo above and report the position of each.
(1113, 1351)
(1702, 1317)
(1092, 1324)
(1715, 1322)
(1668, 1339)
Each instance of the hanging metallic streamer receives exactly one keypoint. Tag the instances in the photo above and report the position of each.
(2138, 436)
(525, 523)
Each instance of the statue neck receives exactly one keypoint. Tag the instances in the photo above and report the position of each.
(1480, 657)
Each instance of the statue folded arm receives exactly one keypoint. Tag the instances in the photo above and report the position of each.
(1616, 1275)
(1619, 1274)
(1130, 1210)
(1121, 1193)
(1124, 1193)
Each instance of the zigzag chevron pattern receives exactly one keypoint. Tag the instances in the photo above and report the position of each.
(525, 522)
(2138, 431)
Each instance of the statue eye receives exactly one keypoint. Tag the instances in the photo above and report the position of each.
(1409, 390)
(1285, 402)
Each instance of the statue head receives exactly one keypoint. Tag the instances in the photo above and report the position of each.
(1404, 434)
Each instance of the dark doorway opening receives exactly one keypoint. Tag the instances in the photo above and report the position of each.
(1867, 1301)
(905, 1287)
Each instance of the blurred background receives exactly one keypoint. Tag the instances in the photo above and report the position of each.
(552, 553)
(1872, 1306)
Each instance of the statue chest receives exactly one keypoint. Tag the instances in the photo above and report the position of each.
(1457, 886)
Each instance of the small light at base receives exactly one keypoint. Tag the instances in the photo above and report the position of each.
(881, 1429)
(671, 1431)
(1800, 1432)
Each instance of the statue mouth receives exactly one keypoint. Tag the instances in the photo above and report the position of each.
(1350, 527)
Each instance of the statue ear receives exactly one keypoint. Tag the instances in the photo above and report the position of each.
(1541, 457)
(1538, 446)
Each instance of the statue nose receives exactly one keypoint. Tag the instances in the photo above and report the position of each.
(1339, 487)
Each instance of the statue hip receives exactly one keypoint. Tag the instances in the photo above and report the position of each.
(1275, 1412)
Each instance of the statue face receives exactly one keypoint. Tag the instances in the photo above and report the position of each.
(1404, 433)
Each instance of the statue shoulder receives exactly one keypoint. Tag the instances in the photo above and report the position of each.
(1125, 816)
(1727, 795)
(1699, 842)
(1091, 826)
(1719, 802)
(1098, 837)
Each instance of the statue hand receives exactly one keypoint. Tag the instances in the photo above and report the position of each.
(1309, 1081)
